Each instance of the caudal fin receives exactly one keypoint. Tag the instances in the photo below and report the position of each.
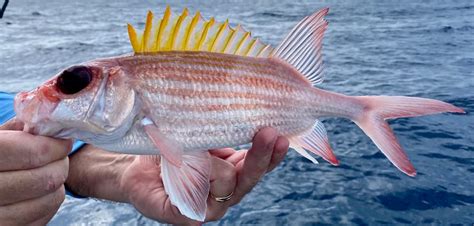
(376, 109)
(301, 49)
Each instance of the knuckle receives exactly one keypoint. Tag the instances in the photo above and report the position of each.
(60, 195)
(64, 146)
(69, 146)
(65, 168)
(53, 181)
(263, 141)
(228, 171)
(268, 135)
(37, 153)
(41, 153)
(281, 147)
(262, 165)
(43, 147)
(56, 200)
(34, 159)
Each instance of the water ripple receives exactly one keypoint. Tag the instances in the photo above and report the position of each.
(423, 199)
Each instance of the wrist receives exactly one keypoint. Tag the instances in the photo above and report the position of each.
(97, 173)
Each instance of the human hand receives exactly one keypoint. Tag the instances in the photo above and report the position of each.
(233, 171)
(32, 173)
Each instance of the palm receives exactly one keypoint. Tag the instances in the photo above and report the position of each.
(233, 171)
(142, 180)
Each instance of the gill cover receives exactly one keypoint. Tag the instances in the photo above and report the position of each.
(114, 103)
(102, 112)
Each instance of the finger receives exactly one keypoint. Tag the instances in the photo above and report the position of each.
(237, 157)
(256, 162)
(222, 153)
(279, 152)
(20, 150)
(223, 181)
(12, 124)
(16, 186)
(158, 206)
(223, 177)
(26, 212)
(46, 219)
(147, 193)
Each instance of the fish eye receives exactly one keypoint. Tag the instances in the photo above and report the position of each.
(74, 79)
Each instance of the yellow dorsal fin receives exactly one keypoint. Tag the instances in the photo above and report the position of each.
(187, 32)
(148, 26)
(133, 38)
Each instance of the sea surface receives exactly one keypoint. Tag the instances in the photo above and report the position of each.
(422, 48)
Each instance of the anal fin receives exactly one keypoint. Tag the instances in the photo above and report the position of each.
(186, 176)
(303, 152)
(315, 141)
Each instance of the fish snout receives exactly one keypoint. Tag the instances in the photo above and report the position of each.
(32, 108)
(20, 103)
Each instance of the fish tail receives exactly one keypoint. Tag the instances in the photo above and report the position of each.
(376, 109)
(302, 50)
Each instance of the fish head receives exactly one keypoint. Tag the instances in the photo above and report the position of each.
(89, 101)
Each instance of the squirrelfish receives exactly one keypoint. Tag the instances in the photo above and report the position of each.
(192, 85)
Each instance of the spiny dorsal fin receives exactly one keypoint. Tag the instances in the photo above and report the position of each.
(192, 33)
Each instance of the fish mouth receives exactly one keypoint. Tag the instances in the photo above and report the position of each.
(34, 111)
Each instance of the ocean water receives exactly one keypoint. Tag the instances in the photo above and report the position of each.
(422, 48)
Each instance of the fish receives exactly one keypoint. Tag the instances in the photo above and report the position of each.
(192, 84)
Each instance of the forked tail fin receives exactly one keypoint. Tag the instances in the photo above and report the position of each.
(376, 109)
(302, 50)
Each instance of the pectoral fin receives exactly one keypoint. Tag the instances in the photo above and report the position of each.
(185, 176)
(168, 148)
(188, 186)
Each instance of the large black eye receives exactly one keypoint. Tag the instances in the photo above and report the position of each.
(74, 79)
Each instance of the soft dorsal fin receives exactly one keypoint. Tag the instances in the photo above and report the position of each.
(192, 33)
(302, 46)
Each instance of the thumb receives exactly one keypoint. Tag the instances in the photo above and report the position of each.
(12, 124)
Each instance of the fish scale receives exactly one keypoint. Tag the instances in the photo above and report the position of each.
(277, 100)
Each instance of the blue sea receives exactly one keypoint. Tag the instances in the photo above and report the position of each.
(413, 48)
